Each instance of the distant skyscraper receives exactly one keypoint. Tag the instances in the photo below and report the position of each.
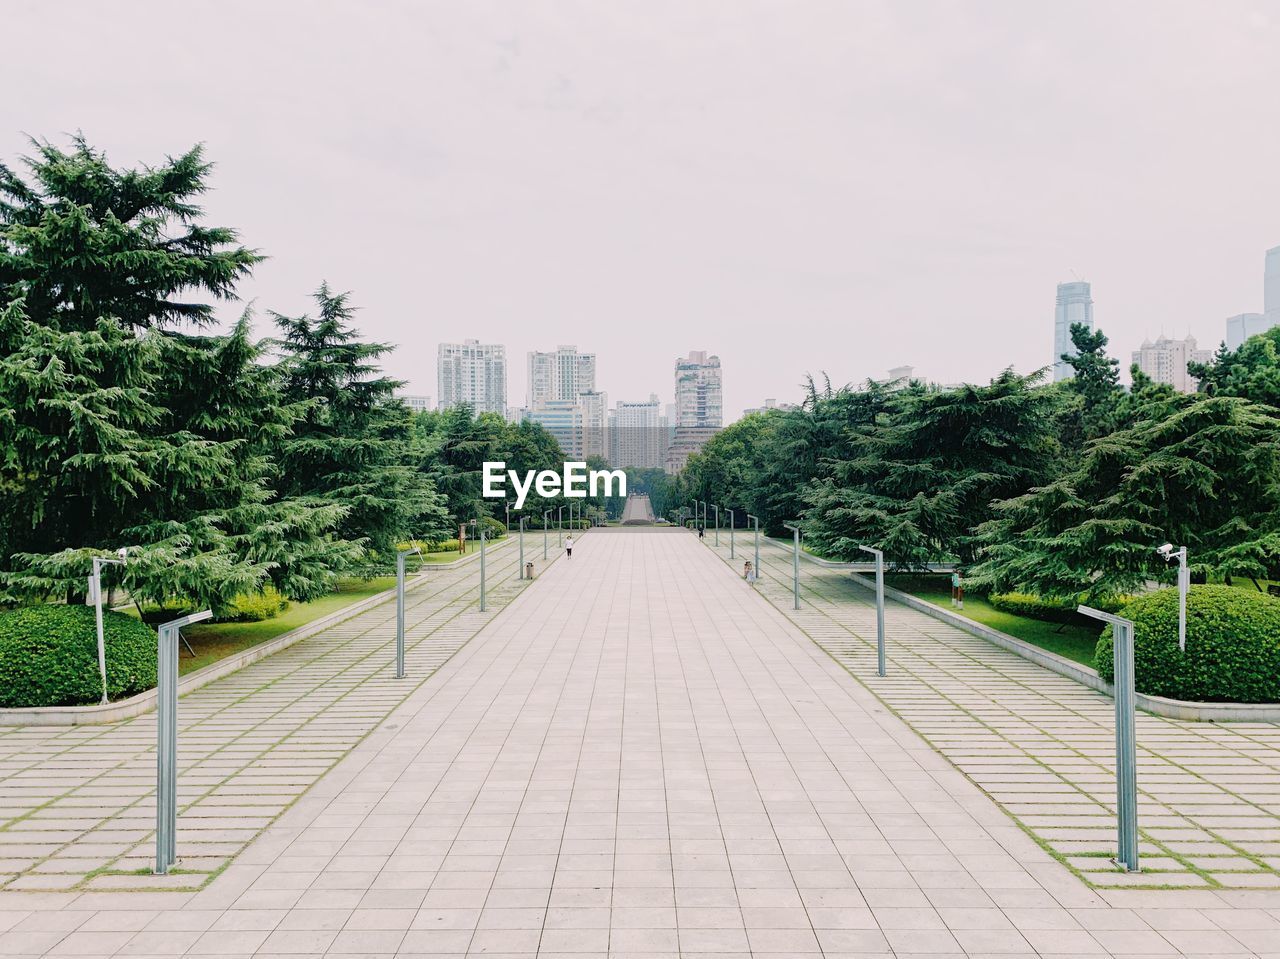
(595, 423)
(1243, 326)
(699, 406)
(474, 373)
(1271, 287)
(416, 403)
(637, 437)
(1165, 361)
(1075, 305)
(560, 375)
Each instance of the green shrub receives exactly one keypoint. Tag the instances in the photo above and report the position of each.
(493, 528)
(1233, 646)
(254, 607)
(1035, 607)
(49, 656)
(444, 546)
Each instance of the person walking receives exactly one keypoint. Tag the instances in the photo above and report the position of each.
(957, 589)
(702, 531)
(568, 546)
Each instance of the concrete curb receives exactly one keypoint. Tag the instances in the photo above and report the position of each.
(1157, 705)
(100, 715)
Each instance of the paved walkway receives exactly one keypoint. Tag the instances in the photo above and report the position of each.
(642, 758)
(77, 804)
(1043, 746)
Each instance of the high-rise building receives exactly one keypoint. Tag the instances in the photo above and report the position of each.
(1075, 305)
(473, 373)
(415, 403)
(1165, 361)
(580, 426)
(1271, 287)
(637, 434)
(699, 406)
(699, 391)
(1243, 326)
(560, 375)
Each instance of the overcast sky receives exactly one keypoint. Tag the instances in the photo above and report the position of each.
(798, 186)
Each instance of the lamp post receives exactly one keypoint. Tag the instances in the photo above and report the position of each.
(560, 528)
(400, 558)
(795, 565)
(879, 555)
(521, 570)
(545, 533)
(95, 596)
(756, 520)
(730, 512)
(1184, 584)
(507, 507)
(717, 509)
(1126, 737)
(167, 739)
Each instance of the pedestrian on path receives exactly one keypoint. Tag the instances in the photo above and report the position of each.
(749, 573)
(568, 546)
(702, 531)
(957, 589)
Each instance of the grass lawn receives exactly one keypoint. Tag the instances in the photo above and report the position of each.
(1073, 642)
(215, 641)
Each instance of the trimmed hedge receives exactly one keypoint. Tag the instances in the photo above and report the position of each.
(1035, 607)
(254, 607)
(1233, 646)
(49, 656)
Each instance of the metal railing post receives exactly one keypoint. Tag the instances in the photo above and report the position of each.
(401, 556)
(1122, 631)
(795, 565)
(879, 555)
(167, 739)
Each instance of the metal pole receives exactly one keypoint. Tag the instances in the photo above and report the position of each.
(717, 509)
(167, 739)
(97, 613)
(879, 555)
(483, 537)
(545, 532)
(795, 565)
(756, 519)
(1184, 584)
(560, 528)
(1126, 737)
(730, 512)
(521, 576)
(400, 616)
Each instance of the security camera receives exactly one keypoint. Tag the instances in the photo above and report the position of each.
(1166, 550)
(123, 553)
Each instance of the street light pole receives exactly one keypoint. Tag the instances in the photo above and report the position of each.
(1126, 737)
(717, 509)
(756, 520)
(560, 528)
(879, 555)
(95, 593)
(730, 512)
(400, 558)
(795, 564)
(1184, 585)
(521, 576)
(483, 537)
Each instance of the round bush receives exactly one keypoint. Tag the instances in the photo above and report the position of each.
(49, 656)
(1233, 646)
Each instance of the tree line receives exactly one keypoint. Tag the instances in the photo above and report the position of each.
(1057, 489)
(225, 463)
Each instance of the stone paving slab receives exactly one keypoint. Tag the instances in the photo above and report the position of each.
(1043, 746)
(77, 804)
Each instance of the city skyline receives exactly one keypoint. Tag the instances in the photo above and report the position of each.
(1006, 156)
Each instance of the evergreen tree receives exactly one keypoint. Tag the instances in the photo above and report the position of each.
(350, 445)
(1252, 371)
(1095, 384)
(918, 484)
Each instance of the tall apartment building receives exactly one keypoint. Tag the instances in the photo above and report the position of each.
(1271, 287)
(416, 404)
(1165, 361)
(699, 406)
(637, 434)
(1243, 326)
(560, 375)
(473, 373)
(580, 426)
(1075, 305)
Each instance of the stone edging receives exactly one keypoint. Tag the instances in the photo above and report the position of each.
(1158, 705)
(99, 714)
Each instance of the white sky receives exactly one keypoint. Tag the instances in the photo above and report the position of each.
(795, 185)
